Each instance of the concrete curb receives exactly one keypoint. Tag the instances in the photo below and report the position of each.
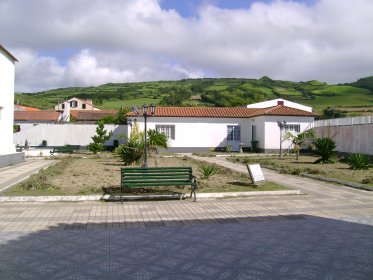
(107, 197)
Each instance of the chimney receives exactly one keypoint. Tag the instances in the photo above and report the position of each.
(280, 102)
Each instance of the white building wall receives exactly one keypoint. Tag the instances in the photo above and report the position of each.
(272, 130)
(200, 132)
(272, 103)
(64, 134)
(7, 69)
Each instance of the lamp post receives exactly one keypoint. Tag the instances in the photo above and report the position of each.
(282, 126)
(145, 115)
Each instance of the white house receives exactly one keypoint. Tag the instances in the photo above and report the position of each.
(8, 153)
(192, 129)
(76, 103)
(280, 101)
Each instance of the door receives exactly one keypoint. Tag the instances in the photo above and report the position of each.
(234, 137)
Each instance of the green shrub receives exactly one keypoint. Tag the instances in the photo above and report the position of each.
(207, 170)
(324, 148)
(359, 162)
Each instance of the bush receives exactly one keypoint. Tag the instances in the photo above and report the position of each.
(207, 170)
(324, 148)
(359, 162)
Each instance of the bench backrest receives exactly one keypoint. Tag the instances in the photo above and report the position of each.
(155, 176)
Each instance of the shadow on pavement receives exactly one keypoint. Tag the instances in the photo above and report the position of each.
(272, 247)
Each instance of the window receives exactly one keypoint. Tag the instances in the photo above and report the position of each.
(63, 106)
(292, 127)
(83, 106)
(168, 130)
(73, 104)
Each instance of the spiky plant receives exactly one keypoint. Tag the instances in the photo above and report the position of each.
(359, 162)
(324, 148)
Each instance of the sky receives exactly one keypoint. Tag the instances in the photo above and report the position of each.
(92, 42)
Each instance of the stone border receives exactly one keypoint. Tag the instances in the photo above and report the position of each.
(61, 198)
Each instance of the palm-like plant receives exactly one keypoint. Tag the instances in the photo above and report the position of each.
(359, 161)
(324, 147)
(156, 140)
(305, 138)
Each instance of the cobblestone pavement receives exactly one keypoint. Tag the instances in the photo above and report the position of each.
(324, 234)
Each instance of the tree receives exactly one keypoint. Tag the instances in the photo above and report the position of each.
(324, 147)
(133, 152)
(99, 139)
(305, 138)
(156, 140)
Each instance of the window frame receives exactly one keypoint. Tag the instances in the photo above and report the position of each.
(170, 134)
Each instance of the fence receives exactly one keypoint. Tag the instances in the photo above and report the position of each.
(352, 135)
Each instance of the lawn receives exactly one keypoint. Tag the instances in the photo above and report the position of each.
(288, 164)
(99, 174)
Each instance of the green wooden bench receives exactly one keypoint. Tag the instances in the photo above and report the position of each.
(138, 177)
(69, 149)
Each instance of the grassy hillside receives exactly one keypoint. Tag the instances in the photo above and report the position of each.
(214, 92)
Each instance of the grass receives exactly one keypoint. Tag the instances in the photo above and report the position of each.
(338, 170)
(99, 174)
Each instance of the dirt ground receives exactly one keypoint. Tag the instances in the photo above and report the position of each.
(97, 174)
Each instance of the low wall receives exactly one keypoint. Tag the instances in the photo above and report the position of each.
(64, 134)
(349, 138)
(11, 159)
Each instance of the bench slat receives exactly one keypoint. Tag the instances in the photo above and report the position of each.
(135, 177)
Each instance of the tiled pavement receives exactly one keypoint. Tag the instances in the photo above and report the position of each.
(325, 234)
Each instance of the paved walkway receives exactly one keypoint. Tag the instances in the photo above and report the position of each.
(325, 234)
(14, 174)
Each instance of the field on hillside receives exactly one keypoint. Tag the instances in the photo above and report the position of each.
(219, 92)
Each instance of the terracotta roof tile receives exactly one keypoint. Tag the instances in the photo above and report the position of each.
(226, 112)
(25, 108)
(36, 116)
(281, 110)
(91, 115)
(7, 53)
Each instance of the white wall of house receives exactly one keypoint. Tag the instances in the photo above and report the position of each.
(274, 102)
(200, 133)
(64, 134)
(78, 104)
(272, 130)
(7, 69)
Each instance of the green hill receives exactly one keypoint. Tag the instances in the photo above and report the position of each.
(221, 92)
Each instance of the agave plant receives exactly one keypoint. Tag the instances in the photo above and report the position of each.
(207, 170)
(359, 162)
(324, 148)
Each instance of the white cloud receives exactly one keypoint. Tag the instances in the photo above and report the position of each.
(135, 40)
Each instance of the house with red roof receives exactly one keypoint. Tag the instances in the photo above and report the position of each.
(193, 129)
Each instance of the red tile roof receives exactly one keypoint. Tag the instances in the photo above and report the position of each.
(4, 50)
(91, 115)
(25, 108)
(281, 110)
(226, 112)
(36, 116)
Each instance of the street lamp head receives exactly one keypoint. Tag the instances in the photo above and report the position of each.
(144, 109)
(152, 109)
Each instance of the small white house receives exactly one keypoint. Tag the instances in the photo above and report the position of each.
(193, 129)
(8, 153)
(76, 103)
